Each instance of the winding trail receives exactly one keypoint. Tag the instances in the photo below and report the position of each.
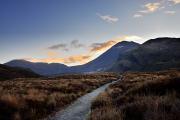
(79, 109)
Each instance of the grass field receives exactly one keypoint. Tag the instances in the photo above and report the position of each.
(140, 96)
(31, 99)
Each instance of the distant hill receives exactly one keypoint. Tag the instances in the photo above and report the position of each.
(153, 55)
(102, 63)
(7, 72)
(40, 68)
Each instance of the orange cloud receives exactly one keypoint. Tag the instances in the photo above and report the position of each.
(94, 51)
(149, 8)
(157, 6)
(51, 54)
(108, 18)
(98, 47)
(102, 46)
(47, 60)
(152, 7)
(76, 59)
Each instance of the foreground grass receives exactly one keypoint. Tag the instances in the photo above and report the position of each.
(140, 96)
(31, 99)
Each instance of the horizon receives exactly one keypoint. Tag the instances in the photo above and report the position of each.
(88, 61)
(75, 33)
(69, 65)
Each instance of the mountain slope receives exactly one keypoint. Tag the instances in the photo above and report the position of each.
(40, 68)
(102, 63)
(7, 72)
(107, 59)
(155, 54)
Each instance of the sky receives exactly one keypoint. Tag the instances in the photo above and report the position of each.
(75, 32)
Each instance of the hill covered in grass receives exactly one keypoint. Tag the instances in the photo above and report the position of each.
(153, 55)
(140, 96)
(7, 72)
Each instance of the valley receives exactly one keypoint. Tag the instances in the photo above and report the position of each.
(36, 98)
(89, 59)
(80, 109)
(130, 81)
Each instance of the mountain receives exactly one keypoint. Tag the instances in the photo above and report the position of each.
(107, 59)
(102, 63)
(153, 55)
(7, 72)
(40, 68)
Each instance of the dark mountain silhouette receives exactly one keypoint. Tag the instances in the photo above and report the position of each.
(153, 55)
(102, 63)
(7, 72)
(107, 59)
(40, 68)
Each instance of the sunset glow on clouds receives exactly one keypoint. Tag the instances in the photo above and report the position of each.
(153, 7)
(94, 50)
(72, 60)
(76, 32)
(175, 1)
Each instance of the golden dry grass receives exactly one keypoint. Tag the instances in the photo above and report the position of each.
(140, 96)
(31, 99)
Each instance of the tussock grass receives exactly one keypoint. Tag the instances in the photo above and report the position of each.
(31, 99)
(141, 96)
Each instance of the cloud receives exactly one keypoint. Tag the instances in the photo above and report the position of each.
(137, 15)
(75, 59)
(65, 47)
(46, 60)
(59, 46)
(175, 1)
(148, 8)
(157, 6)
(76, 44)
(170, 12)
(143, 11)
(78, 58)
(95, 49)
(101, 46)
(152, 7)
(51, 54)
(108, 18)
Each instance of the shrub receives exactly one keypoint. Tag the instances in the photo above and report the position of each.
(141, 96)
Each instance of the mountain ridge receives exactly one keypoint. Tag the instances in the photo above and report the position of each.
(39, 67)
(101, 63)
(155, 54)
(7, 72)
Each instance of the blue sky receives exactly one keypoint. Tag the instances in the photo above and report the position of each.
(66, 31)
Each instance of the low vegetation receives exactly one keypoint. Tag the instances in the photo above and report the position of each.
(140, 96)
(7, 73)
(31, 99)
